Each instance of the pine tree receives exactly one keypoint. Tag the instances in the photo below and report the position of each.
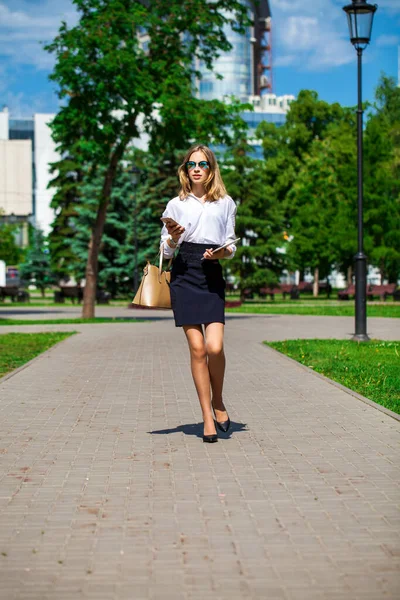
(36, 268)
(68, 175)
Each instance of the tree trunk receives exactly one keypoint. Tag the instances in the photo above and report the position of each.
(42, 291)
(349, 275)
(382, 272)
(316, 282)
(89, 295)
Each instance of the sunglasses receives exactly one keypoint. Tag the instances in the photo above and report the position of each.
(203, 164)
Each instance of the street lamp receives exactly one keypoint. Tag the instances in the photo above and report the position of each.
(360, 17)
(135, 174)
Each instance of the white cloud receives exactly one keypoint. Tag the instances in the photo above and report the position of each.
(387, 40)
(24, 25)
(21, 105)
(312, 36)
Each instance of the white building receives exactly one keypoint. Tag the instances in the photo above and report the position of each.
(26, 150)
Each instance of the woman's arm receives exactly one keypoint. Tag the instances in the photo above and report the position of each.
(170, 236)
(229, 252)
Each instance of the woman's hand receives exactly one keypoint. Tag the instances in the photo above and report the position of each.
(175, 231)
(210, 255)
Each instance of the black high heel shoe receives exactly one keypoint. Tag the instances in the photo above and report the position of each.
(210, 439)
(224, 426)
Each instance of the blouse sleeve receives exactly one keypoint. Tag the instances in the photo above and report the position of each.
(230, 227)
(165, 248)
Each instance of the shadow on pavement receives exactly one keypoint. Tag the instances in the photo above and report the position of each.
(197, 430)
(31, 311)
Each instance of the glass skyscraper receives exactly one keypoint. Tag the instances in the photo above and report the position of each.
(235, 67)
(245, 67)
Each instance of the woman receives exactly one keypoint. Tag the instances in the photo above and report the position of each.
(204, 220)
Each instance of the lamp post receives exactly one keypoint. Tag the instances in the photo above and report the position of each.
(360, 17)
(135, 174)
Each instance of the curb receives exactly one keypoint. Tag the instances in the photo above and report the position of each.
(26, 365)
(386, 411)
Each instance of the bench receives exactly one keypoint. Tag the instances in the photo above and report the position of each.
(285, 289)
(232, 303)
(15, 293)
(75, 292)
(383, 291)
(269, 291)
(351, 291)
(305, 287)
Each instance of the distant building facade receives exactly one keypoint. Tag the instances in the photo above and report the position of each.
(247, 68)
(247, 72)
(26, 151)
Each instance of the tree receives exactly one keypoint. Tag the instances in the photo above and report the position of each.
(116, 256)
(110, 76)
(295, 171)
(382, 182)
(37, 263)
(10, 252)
(67, 181)
(323, 234)
(259, 221)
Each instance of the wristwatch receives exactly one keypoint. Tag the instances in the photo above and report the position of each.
(174, 244)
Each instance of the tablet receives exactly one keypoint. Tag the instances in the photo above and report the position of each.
(227, 244)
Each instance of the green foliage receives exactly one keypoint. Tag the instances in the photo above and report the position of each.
(10, 252)
(259, 219)
(67, 182)
(371, 369)
(321, 200)
(124, 59)
(303, 159)
(36, 268)
(382, 182)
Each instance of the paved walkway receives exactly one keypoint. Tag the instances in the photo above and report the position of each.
(107, 491)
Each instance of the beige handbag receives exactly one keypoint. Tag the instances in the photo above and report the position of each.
(154, 291)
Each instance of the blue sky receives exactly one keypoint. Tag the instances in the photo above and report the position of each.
(311, 49)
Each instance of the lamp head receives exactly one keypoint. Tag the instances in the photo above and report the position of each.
(135, 174)
(360, 16)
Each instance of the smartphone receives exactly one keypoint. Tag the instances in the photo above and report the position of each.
(227, 244)
(169, 221)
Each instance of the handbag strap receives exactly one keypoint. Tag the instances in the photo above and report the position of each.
(160, 269)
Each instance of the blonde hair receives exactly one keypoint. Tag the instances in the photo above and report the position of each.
(214, 185)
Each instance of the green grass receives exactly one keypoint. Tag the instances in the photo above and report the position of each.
(16, 349)
(371, 369)
(64, 321)
(326, 310)
(47, 303)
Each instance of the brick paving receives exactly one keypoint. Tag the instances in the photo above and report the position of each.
(107, 491)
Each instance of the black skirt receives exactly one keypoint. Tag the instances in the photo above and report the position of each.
(197, 287)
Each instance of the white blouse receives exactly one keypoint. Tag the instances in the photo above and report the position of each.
(204, 222)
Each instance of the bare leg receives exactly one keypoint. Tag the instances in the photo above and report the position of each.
(201, 376)
(216, 366)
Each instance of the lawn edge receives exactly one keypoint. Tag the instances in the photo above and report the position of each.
(342, 387)
(24, 366)
(305, 314)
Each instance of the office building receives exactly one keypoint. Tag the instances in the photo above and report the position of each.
(247, 68)
(26, 151)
